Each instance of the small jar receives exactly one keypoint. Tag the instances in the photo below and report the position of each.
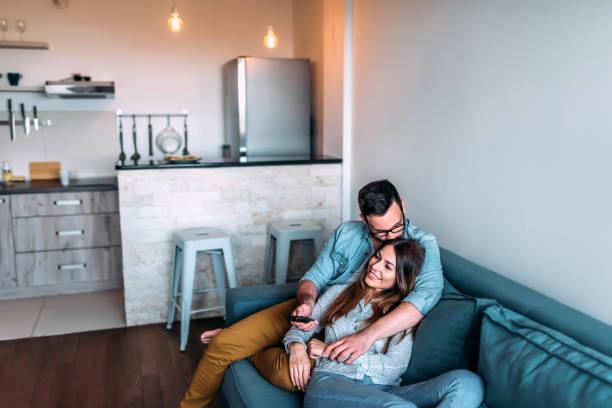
(6, 172)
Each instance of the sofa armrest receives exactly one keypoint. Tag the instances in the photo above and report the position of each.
(244, 301)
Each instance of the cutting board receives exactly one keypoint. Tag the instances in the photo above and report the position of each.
(44, 170)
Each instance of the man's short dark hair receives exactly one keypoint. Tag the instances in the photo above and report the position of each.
(376, 197)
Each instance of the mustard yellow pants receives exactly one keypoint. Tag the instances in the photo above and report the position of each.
(258, 338)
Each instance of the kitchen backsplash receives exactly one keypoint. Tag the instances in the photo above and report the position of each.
(84, 142)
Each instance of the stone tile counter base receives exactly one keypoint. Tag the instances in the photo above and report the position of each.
(238, 200)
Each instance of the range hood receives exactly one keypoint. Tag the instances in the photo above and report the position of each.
(80, 89)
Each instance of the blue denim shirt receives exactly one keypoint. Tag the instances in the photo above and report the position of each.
(351, 245)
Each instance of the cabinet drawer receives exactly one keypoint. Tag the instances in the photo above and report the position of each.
(64, 267)
(68, 232)
(87, 202)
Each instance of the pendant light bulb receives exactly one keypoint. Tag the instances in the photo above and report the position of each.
(175, 22)
(270, 39)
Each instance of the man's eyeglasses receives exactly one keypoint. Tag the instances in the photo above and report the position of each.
(383, 234)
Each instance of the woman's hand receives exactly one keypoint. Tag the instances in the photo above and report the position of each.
(305, 310)
(299, 365)
(316, 349)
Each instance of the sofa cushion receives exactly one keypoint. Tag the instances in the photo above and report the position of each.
(243, 386)
(447, 338)
(526, 364)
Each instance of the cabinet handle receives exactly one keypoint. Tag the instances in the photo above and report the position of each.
(69, 232)
(67, 202)
(71, 267)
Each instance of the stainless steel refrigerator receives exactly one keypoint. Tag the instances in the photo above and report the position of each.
(267, 107)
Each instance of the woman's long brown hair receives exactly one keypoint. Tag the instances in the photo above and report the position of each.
(409, 257)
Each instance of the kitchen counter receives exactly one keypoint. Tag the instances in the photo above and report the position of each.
(57, 240)
(54, 186)
(250, 161)
(237, 198)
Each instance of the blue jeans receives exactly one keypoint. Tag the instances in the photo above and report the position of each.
(457, 389)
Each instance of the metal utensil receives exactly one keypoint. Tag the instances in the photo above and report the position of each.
(26, 122)
(150, 129)
(11, 120)
(135, 157)
(25, 119)
(122, 154)
(36, 123)
(185, 151)
(168, 141)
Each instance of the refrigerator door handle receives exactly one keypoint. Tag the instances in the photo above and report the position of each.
(242, 128)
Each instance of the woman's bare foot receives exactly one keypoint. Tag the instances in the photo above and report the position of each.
(208, 336)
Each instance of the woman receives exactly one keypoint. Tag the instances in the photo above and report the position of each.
(373, 379)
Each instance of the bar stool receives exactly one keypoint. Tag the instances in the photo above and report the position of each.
(280, 235)
(189, 242)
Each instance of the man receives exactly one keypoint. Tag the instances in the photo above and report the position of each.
(258, 337)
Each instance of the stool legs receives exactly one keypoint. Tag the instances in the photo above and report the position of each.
(219, 272)
(308, 250)
(271, 247)
(282, 260)
(187, 278)
(228, 256)
(176, 273)
(318, 246)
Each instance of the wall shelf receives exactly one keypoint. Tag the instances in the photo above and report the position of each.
(25, 45)
(35, 89)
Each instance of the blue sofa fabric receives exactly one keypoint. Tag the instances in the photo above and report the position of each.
(526, 364)
(474, 280)
(448, 337)
(243, 386)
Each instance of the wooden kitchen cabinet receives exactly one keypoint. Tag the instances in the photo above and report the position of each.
(59, 242)
(88, 202)
(68, 267)
(8, 279)
(67, 232)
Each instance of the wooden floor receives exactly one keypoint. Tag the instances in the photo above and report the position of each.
(128, 367)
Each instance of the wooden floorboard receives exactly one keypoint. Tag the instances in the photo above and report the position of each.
(130, 367)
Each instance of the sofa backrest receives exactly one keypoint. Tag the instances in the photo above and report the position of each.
(480, 282)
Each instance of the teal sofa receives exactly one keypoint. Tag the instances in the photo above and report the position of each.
(531, 350)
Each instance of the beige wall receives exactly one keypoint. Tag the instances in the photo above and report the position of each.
(308, 43)
(317, 34)
(493, 120)
(333, 47)
(154, 70)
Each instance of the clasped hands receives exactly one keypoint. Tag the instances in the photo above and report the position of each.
(299, 364)
(346, 349)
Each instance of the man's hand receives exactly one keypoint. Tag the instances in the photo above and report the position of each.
(352, 346)
(299, 365)
(304, 309)
(401, 318)
(316, 349)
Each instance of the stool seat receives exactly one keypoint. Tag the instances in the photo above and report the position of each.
(293, 227)
(280, 235)
(202, 235)
(187, 244)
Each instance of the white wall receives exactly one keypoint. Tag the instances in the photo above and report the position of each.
(154, 70)
(493, 120)
(83, 142)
